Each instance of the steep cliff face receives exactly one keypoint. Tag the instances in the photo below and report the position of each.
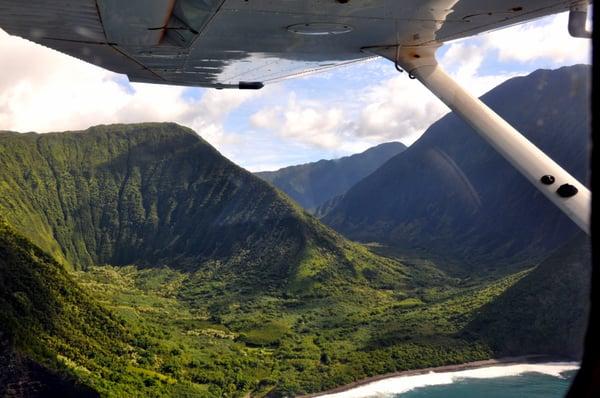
(144, 194)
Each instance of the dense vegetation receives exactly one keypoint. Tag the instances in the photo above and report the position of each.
(54, 339)
(144, 194)
(281, 345)
(172, 272)
(172, 333)
(452, 197)
(158, 195)
(280, 305)
(246, 261)
(312, 185)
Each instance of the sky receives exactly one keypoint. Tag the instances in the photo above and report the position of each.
(290, 122)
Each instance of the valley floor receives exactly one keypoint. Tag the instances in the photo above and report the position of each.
(277, 346)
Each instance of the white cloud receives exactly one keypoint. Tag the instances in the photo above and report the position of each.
(546, 39)
(463, 60)
(43, 90)
(207, 116)
(402, 109)
(310, 122)
(397, 109)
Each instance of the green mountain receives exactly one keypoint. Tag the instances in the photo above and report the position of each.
(221, 259)
(178, 273)
(313, 184)
(450, 196)
(149, 195)
(159, 195)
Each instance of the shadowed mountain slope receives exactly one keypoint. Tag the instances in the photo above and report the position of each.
(451, 196)
(313, 184)
(546, 311)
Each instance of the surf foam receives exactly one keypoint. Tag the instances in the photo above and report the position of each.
(402, 384)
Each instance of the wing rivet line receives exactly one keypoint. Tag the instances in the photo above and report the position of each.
(547, 179)
(567, 191)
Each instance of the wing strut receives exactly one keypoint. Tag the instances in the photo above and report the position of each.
(572, 197)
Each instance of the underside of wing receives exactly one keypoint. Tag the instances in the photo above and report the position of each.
(245, 43)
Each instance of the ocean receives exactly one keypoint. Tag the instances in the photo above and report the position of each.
(527, 385)
(543, 380)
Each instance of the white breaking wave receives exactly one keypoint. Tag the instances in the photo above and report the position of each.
(402, 384)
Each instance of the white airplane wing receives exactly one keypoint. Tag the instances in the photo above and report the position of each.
(245, 43)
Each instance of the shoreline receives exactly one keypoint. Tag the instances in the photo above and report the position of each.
(527, 359)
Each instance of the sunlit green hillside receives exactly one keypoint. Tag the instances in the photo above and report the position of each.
(178, 273)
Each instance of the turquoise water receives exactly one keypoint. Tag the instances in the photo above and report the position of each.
(527, 385)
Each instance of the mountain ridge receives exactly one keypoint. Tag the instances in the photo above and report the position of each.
(92, 187)
(156, 205)
(156, 195)
(312, 184)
